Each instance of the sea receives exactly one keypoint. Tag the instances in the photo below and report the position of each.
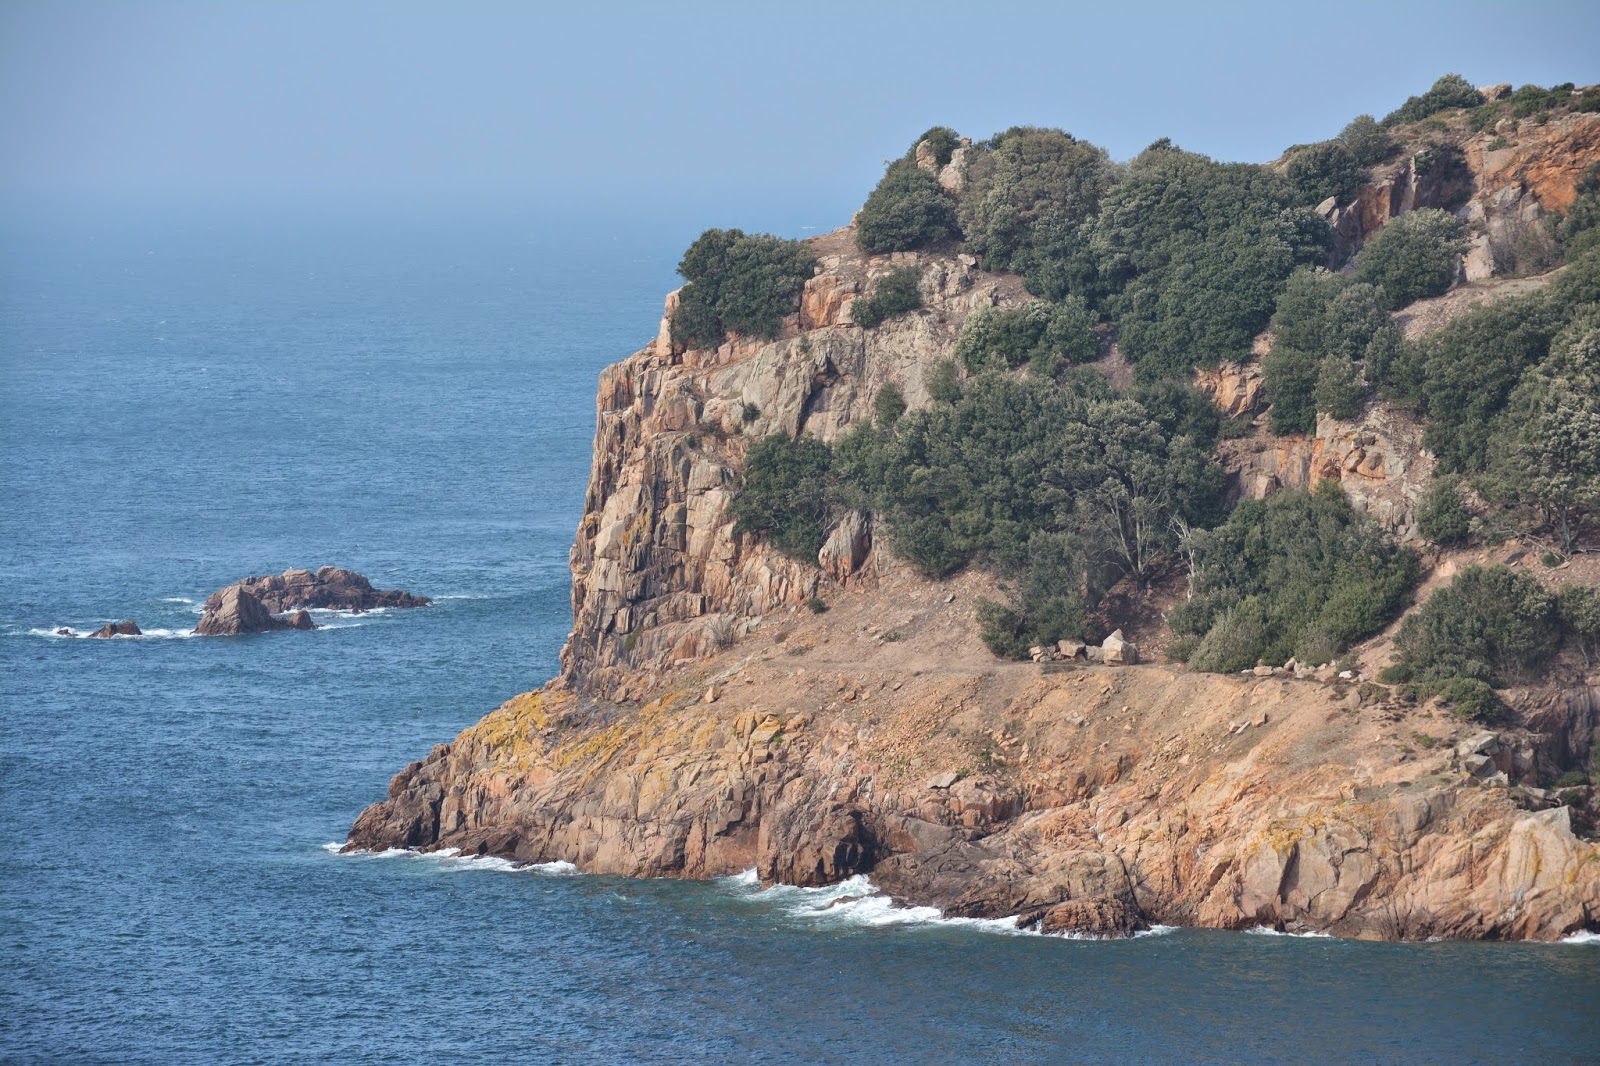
(192, 395)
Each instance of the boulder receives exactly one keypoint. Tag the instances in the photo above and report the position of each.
(944, 780)
(233, 611)
(127, 628)
(1069, 649)
(300, 619)
(846, 547)
(1118, 649)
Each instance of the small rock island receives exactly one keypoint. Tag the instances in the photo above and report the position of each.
(284, 601)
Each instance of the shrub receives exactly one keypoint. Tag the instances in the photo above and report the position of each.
(1289, 376)
(1049, 605)
(750, 412)
(1024, 182)
(738, 282)
(1413, 256)
(1339, 387)
(896, 293)
(907, 210)
(1442, 515)
(1571, 779)
(1448, 92)
(1300, 574)
(1491, 624)
(1369, 142)
(888, 406)
(1545, 451)
(785, 494)
(1043, 335)
(816, 606)
(944, 382)
(1192, 255)
(1181, 410)
(1579, 229)
(1578, 607)
(1323, 170)
(942, 141)
(1469, 698)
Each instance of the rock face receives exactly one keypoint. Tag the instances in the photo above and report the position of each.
(659, 574)
(127, 628)
(254, 604)
(1094, 799)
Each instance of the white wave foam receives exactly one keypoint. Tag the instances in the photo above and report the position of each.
(1581, 938)
(463, 596)
(1265, 930)
(152, 634)
(1158, 930)
(451, 859)
(176, 599)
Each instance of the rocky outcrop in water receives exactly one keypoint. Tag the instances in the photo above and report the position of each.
(258, 604)
(128, 628)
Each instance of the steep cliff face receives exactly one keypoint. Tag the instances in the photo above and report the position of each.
(660, 575)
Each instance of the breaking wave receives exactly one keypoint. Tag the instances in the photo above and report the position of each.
(452, 859)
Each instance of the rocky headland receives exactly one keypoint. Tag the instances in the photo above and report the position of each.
(724, 706)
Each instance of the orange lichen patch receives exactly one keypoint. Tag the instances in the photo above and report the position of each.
(515, 731)
(600, 745)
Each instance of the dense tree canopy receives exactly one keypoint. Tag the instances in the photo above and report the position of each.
(741, 282)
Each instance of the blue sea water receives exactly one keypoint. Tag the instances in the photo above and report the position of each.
(187, 400)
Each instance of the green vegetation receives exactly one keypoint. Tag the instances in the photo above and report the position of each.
(896, 293)
(1368, 141)
(785, 494)
(1298, 574)
(1289, 376)
(1579, 230)
(888, 406)
(1191, 255)
(1323, 170)
(1545, 448)
(1413, 256)
(1324, 326)
(1442, 515)
(907, 210)
(744, 283)
(942, 140)
(1578, 607)
(1026, 188)
(1041, 335)
(1450, 91)
(1490, 625)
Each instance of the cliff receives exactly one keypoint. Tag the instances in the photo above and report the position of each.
(705, 723)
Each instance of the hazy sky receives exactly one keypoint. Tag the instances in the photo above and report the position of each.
(706, 107)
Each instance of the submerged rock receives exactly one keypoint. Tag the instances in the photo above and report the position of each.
(255, 604)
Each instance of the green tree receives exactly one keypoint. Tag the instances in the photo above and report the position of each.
(1339, 387)
(1490, 624)
(1050, 602)
(738, 282)
(1450, 91)
(1027, 180)
(1578, 607)
(1289, 376)
(1043, 335)
(1413, 256)
(1322, 170)
(942, 142)
(888, 406)
(907, 210)
(944, 382)
(1545, 454)
(785, 494)
(1442, 514)
(1369, 142)
(1579, 230)
(896, 293)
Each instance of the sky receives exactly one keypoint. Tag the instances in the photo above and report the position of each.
(728, 111)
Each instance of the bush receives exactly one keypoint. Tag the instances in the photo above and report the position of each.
(1049, 605)
(1442, 515)
(1025, 183)
(1298, 574)
(1043, 335)
(1413, 256)
(738, 282)
(907, 210)
(1545, 450)
(1579, 229)
(1339, 387)
(1490, 624)
(888, 406)
(1369, 142)
(1469, 698)
(1448, 92)
(944, 382)
(785, 494)
(1578, 607)
(942, 141)
(1323, 170)
(896, 293)
(1192, 255)
(1289, 376)
(1181, 410)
